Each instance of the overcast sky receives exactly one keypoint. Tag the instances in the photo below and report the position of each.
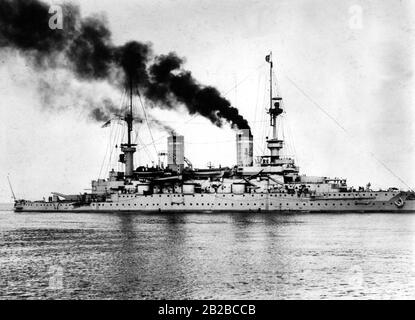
(328, 61)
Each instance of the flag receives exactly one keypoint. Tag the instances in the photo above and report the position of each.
(268, 58)
(106, 124)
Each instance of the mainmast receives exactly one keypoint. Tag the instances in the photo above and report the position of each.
(272, 117)
(273, 144)
(129, 148)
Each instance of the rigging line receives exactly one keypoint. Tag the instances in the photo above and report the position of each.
(256, 105)
(146, 150)
(137, 138)
(204, 123)
(115, 139)
(316, 104)
(291, 137)
(264, 128)
(216, 141)
(145, 116)
(346, 132)
(106, 151)
(114, 134)
(196, 114)
(390, 170)
(244, 79)
(112, 138)
(11, 188)
(165, 136)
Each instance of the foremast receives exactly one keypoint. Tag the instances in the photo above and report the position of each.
(129, 148)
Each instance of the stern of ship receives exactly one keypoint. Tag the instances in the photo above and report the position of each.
(18, 205)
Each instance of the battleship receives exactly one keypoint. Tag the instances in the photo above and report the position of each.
(271, 184)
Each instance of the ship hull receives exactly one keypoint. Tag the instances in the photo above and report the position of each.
(266, 202)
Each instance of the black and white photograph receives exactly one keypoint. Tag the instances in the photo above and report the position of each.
(206, 150)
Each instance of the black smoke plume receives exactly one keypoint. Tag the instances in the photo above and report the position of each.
(84, 46)
(170, 83)
(104, 111)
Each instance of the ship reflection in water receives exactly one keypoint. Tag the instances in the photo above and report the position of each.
(180, 256)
